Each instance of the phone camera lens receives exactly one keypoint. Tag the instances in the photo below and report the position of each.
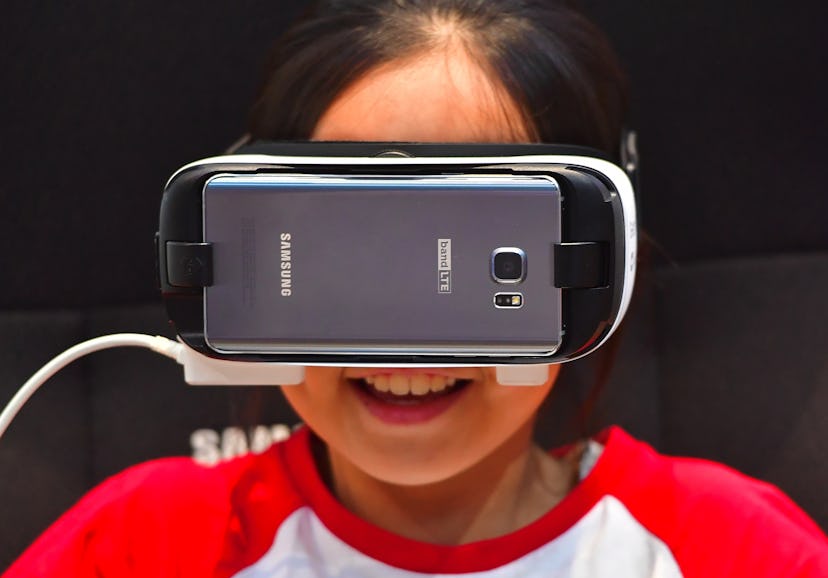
(508, 265)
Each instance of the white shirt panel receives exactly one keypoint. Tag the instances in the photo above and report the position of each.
(606, 542)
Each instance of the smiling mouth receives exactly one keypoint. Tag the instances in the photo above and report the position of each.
(409, 389)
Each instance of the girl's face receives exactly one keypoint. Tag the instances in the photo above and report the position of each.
(418, 426)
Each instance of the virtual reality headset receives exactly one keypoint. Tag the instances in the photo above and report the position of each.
(389, 254)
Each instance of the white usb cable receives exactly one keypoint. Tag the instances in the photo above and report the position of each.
(156, 343)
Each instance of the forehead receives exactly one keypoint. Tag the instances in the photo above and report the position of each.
(440, 97)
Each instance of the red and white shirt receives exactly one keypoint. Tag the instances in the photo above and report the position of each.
(636, 514)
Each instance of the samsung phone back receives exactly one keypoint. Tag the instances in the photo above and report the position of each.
(382, 264)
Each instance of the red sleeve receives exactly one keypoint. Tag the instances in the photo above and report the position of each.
(744, 527)
(165, 518)
(121, 527)
(718, 522)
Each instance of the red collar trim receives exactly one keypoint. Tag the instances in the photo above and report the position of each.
(478, 556)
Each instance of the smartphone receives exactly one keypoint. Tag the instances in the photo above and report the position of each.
(382, 264)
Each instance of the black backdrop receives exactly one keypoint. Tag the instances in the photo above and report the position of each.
(101, 102)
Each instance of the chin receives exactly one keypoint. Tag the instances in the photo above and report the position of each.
(414, 473)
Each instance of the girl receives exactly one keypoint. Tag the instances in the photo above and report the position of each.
(424, 472)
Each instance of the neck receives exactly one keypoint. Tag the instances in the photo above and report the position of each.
(510, 488)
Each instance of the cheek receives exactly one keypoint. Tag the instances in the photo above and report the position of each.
(316, 399)
(509, 406)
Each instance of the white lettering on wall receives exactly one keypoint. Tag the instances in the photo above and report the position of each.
(210, 446)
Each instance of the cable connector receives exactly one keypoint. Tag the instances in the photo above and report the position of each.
(202, 370)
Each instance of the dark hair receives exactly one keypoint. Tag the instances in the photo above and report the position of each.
(551, 60)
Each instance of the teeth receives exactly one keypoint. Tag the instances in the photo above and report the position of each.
(419, 384)
(439, 383)
(400, 384)
(380, 382)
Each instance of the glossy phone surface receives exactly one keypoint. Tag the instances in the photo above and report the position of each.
(382, 264)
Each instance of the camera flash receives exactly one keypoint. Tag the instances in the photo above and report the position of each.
(508, 300)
